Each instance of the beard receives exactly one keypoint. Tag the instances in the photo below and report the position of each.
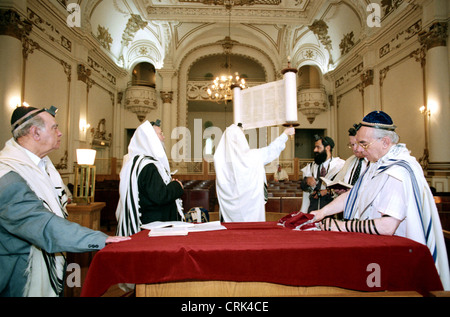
(320, 157)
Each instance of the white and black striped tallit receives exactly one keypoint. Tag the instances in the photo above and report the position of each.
(45, 272)
(144, 148)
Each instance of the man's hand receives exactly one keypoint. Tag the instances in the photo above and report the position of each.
(311, 182)
(289, 131)
(115, 239)
(176, 180)
(318, 215)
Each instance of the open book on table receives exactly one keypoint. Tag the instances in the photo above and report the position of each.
(179, 228)
(335, 184)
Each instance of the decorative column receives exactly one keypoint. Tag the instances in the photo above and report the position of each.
(14, 28)
(83, 84)
(366, 82)
(167, 97)
(169, 109)
(437, 106)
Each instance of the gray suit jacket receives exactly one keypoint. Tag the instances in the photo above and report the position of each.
(24, 221)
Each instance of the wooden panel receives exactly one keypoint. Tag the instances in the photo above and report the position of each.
(273, 204)
(250, 289)
(291, 204)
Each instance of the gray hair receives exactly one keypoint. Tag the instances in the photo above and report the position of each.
(381, 133)
(25, 127)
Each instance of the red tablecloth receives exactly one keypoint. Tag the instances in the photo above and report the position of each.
(265, 252)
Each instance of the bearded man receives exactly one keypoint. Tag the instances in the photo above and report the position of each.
(315, 193)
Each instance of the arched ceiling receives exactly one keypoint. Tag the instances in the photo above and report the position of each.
(162, 31)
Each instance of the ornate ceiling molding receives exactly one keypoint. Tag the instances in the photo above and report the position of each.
(244, 11)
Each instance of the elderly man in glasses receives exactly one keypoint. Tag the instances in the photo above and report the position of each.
(34, 231)
(355, 165)
(392, 197)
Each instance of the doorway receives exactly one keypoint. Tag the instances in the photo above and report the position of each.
(304, 142)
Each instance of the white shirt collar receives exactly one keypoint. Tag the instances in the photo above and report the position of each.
(40, 162)
(36, 159)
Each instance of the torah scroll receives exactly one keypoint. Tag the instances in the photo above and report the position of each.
(269, 104)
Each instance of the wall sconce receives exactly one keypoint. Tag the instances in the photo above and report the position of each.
(84, 126)
(423, 110)
(14, 102)
(84, 188)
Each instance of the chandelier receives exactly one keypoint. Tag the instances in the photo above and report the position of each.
(221, 88)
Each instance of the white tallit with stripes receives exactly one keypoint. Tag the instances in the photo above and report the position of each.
(45, 272)
(144, 148)
(422, 218)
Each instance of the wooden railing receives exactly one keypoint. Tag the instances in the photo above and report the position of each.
(109, 169)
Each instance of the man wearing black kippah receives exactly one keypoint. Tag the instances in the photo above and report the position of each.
(392, 197)
(315, 193)
(34, 231)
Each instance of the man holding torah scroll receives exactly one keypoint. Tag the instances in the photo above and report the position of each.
(240, 174)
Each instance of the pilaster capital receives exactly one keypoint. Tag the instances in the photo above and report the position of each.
(13, 24)
(166, 96)
(436, 35)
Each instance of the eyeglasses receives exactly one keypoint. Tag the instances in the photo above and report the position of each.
(365, 146)
(352, 145)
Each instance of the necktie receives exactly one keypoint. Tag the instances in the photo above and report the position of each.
(323, 171)
(357, 172)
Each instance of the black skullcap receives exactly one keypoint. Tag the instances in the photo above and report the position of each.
(325, 140)
(378, 120)
(22, 114)
(157, 123)
(352, 131)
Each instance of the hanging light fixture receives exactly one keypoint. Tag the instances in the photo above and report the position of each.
(222, 87)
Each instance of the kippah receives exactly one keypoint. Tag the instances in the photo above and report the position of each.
(325, 140)
(329, 141)
(378, 120)
(157, 123)
(22, 114)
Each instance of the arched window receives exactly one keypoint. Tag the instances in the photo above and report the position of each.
(309, 77)
(144, 74)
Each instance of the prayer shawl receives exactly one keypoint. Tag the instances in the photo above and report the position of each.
(311, 170)
(422, 218)
(45, 272)
(148, 148)
(347, 171)
(241, 176)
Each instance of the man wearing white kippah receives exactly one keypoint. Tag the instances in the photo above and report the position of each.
(392, 197)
